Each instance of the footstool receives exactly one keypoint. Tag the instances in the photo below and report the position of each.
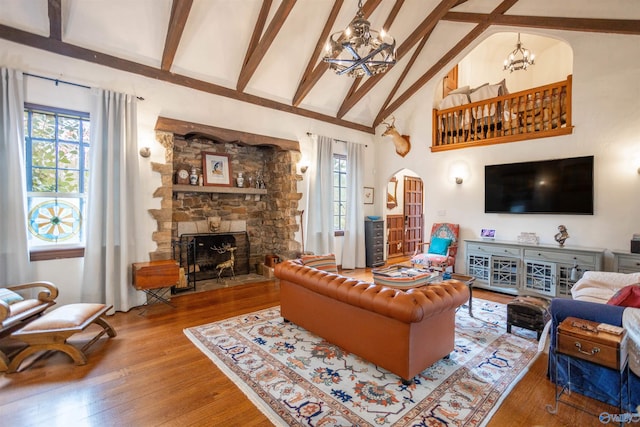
(51, 331)
(528, 312)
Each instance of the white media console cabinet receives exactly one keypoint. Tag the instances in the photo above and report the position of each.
(524, 269)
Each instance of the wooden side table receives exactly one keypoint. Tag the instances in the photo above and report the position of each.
(581, 339)
(155, 278)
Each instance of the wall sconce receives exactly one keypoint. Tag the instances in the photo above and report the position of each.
(145, 152)
(458, 172)
(303, 165)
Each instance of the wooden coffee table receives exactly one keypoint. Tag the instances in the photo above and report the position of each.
(403, 276)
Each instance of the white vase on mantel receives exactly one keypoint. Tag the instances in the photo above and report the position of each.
(240, 180)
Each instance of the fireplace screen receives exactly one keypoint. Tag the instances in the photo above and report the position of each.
(209, 256)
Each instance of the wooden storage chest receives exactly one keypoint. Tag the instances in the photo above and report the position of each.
(155, 274)
(581, 339)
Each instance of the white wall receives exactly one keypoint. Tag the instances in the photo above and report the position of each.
(553, 62)
(606, 116)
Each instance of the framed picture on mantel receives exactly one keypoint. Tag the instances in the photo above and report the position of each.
(216, 169)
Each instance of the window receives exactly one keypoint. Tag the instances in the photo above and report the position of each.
(57, 159)
(339, 191)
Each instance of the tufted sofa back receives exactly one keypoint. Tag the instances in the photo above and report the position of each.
(408, 306)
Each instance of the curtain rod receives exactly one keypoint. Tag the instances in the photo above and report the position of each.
(336, 140)
(58, 81)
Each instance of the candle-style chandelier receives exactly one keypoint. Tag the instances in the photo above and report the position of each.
(360, 51)
(519, 59)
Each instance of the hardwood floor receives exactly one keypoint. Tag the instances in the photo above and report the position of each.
(152, 375)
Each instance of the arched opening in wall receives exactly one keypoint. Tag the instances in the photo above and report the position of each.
(485, 64)
(404, 213)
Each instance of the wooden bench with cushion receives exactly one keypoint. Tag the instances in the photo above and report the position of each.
(51, 331)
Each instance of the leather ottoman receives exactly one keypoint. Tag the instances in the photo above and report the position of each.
(528, 312)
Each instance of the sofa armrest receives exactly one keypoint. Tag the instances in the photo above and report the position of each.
(48, 293)
(603, 313)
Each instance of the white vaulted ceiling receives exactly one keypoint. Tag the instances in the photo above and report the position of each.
(207, 44)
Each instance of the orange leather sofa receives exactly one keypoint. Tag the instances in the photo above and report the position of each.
(403, 331)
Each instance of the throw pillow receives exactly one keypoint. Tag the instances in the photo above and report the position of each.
(629, 296)
(9, 296)
(463, 89)
(485, 92)
(321, 262)
(439, 246)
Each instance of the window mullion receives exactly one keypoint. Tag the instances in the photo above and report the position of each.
(56, 208)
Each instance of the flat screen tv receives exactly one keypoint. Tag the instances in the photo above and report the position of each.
(560, 186)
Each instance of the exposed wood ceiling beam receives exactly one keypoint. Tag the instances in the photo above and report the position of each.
(393, 15)
(418, 34)
(188, 129)
(322, 40)
(448, 57)
(257, 30)
(179, 13)
(403, 76)
(265, 42)
(358, 80)
(55, 19)
(309, 80)
(61, 48)
(618, 26)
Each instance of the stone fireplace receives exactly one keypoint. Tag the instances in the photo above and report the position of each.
(268, 218)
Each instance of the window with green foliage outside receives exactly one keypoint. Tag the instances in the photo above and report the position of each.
(339, 191)
(57, 166)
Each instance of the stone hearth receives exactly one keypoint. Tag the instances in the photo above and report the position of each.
(270, 219)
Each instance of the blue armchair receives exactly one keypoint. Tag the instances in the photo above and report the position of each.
(588, 378)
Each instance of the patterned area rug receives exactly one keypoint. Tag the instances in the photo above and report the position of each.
(296, 378)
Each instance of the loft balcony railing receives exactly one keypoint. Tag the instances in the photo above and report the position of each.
(535, 113)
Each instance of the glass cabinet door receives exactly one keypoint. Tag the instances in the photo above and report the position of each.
(478, 266)
(504, 272)
(540, 277)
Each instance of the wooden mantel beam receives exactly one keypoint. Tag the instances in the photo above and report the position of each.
(190, 129)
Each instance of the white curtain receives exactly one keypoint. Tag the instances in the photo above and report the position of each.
(353, 247)
(14, 251)
(319, 238)
(112, 202)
